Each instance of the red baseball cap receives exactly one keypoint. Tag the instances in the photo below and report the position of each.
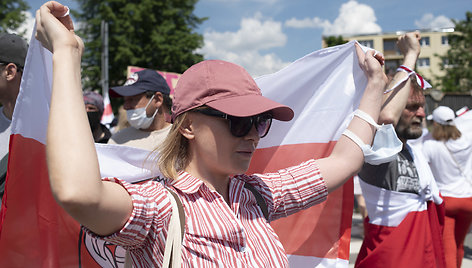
(225, 87)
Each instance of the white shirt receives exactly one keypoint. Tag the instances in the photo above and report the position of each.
(132, 137)
(446, 172)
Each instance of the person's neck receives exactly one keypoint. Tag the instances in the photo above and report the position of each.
(8, 100)
(214, 181)
(8, 107)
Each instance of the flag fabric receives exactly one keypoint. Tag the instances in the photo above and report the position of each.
(397, 218)
(108, 115)
(171, 78)
(464, 122)
(323, 88)
(34, 230)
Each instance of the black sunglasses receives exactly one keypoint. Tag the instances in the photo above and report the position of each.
(240, 126)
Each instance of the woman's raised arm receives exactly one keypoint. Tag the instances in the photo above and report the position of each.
(72, 161)
(347, 158)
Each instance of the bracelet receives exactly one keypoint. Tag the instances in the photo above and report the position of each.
(405, 69)
(419, 79)
(351, 135)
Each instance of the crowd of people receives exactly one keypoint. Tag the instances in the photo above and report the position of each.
(416, 189)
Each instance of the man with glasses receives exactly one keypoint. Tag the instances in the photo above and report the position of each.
(13, 50)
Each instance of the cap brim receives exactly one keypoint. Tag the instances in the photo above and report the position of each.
(250, 105)
(123, 91)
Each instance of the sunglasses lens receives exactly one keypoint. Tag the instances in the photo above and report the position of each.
(263, 123)
(240, 126)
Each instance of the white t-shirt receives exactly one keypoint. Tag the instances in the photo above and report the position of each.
(448, 176)
(132, 137)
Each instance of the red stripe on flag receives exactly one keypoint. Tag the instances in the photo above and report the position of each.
(36, 232)
(416, 242)
(323, 231)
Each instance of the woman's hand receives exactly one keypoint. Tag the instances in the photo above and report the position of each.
(371, 63)
(54, 28)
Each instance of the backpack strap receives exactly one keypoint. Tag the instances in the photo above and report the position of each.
(260, 200)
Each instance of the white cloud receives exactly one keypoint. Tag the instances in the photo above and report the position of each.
(428, 21)
(244, 46)
(307, 23)
(353, 18)
(239, 1)
(26, 28)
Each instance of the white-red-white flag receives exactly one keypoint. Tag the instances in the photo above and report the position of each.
(323, 88)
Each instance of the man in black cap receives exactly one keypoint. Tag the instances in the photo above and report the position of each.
(147, 104)
(13, 50)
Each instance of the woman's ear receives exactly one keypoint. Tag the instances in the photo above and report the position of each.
(187, 128)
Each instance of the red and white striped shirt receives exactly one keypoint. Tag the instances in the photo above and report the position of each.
(218, 234)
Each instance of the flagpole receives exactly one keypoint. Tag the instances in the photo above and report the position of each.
(107, 116)
(104, 35)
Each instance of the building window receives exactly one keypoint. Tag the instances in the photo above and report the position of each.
(444, 40)
(423, 62)
(390, 47)
(367, 43)
(391, 67)
(424, 41)
(445, 62)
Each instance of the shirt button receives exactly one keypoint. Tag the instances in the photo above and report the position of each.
(242, 249)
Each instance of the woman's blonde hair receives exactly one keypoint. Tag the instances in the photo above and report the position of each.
(445, 132)
(172, 154)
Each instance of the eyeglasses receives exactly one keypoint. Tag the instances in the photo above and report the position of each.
(240, 126)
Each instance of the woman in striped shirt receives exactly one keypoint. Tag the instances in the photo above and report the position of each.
(219, 116)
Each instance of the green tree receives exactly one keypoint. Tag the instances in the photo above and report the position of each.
(155, 34)
(332, 40)
(457, 63)
(11, 14)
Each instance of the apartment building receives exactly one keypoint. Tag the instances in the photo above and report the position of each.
(432, 42)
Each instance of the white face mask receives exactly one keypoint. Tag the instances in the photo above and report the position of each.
(386, 144)
(385, 148)
(138, 119)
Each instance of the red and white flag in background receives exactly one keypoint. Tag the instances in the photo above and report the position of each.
(108, 115)
(323, 88)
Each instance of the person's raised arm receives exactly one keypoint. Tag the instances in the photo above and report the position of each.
(347, 158)
(395, 100)
(74, 174)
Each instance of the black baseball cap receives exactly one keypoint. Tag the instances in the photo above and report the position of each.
(140, 82)
(13, 49)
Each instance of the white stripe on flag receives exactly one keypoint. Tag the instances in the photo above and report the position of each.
(323, 88)
(31, 113)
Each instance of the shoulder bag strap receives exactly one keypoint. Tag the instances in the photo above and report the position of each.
(175, 235)
(260, 200)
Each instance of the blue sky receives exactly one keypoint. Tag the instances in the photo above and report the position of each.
(265, 35)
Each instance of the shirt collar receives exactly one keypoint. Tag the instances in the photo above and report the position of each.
(187, 183)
